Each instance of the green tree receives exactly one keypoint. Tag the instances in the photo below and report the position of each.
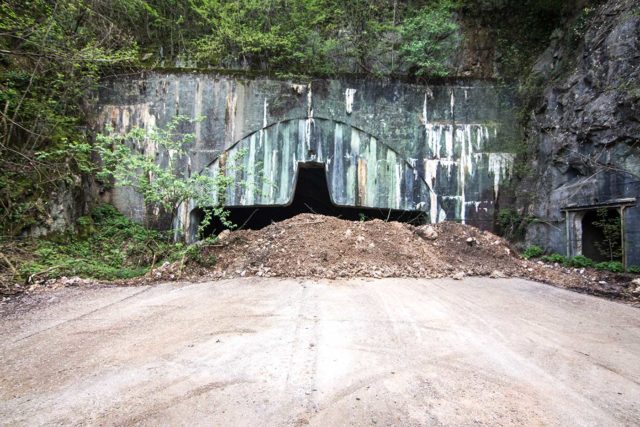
(429, 38)
(274, 35)
(611, 227)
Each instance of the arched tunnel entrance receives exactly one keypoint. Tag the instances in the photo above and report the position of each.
(311, 196)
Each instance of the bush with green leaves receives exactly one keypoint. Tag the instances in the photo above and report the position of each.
(635, 269)
(532, 252)
(554, 258)
(430, 38)
(126, 163)
(579, 261)
(196, 253)
(112, 247)
(512, 225)
(613, 266)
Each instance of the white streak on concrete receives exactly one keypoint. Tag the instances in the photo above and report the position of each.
(197, 112)
(264, 118)
(348, 99)
(453, 103)
(500, 166)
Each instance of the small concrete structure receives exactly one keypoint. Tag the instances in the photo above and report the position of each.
(576, 233)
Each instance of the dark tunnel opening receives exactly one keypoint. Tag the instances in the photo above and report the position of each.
(311, 196)
(601, 238)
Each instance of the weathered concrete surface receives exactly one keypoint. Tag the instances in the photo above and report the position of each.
(286, 352)
(446, 149)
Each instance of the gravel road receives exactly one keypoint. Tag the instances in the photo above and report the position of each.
(296, 352)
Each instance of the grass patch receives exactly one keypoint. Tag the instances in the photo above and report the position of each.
(532, 252)
(581, 261)
(108, 246)
(613, 266)
(554, 259)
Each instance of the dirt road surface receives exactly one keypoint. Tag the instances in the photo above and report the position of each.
(297, 352)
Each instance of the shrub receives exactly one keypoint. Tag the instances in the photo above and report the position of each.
(554, 258)
(613, 266)
(532, 252)
(117, 248)
(198, 253)
(512, 225)
(635, 269)
(579, 261)
(430, 38)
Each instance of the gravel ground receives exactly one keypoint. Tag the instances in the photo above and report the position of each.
(268, 351)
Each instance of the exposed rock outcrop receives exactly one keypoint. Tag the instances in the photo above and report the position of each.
(587, 128)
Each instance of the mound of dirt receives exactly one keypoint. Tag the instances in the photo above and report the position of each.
(317, 246)
(311, 245)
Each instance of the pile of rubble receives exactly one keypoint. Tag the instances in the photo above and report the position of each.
(317, 246)
(311, 245)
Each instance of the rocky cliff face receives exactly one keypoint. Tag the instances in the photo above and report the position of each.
(587, 127)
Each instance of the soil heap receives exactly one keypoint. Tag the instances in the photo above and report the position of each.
(316, 246)
(310, 245)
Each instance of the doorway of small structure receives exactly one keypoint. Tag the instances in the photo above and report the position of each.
(602, 234)
(311, 196)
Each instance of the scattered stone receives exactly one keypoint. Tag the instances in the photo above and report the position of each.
(224, 235)
(497, 274)
(427, 232)
(458, 276)
(472, 241)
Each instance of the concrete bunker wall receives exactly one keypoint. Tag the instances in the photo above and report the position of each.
(454, 137)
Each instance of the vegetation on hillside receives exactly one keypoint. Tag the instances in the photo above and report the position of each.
(52, 55)
(108, 246)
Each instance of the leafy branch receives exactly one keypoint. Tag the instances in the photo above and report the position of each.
(147, 161)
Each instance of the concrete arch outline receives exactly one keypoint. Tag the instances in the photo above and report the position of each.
(347, 152)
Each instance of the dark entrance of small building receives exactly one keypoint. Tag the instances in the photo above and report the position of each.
(601, 234)
(311, 196)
